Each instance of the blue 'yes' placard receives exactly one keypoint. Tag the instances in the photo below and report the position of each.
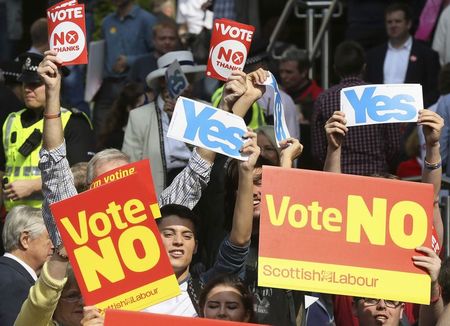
(204, 126)
(375, 104)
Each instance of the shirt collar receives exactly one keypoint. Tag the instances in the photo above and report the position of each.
(406, 46)
(24, 265)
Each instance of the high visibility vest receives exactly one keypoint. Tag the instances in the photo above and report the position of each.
(19, 167)
(257, 119)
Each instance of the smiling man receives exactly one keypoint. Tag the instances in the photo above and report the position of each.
(177, 225)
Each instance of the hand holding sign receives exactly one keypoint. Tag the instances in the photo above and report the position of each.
(201, 125)
(67, 32)
(250, 149)
(49, 72)
(230, 43)
(335, 129)
(176, 80)
(375, 104)
(280, 126)
(432, 124)
(290, 150)
(431, 262)
(92, 316)
(234, 88)
(255, 83)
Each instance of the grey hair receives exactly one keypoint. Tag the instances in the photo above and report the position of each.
(298, 55)
(110, 155)
(21, 218)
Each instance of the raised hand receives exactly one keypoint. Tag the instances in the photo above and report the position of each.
(432, 124)
(234, 88)
(431, 262)
(92, 316)
(251, 149)
(255, 79)
(49, 72)
(291, 148)
(335, 129)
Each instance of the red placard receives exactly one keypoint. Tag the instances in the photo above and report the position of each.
(352, 235)
(67, 32)
(230, 43)
(114, 244)
(120, 318)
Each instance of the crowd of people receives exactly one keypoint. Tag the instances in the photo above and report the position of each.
(54, 145)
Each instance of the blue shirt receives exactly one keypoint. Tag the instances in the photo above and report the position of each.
(130, 36)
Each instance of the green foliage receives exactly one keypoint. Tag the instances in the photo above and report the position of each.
(104, 7)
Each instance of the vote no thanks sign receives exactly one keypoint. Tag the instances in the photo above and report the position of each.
(67, 32)
(230, 43)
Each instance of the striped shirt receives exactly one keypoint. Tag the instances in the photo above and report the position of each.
(58, 184)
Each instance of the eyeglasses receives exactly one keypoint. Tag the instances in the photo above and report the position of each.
(388, 303)
(72, 297)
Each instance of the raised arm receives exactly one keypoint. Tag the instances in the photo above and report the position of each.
(254, 91)
(233, 89)
(186, 189)
(432, 172)
(335, 130)
(241, 230)
(57, 179)
(290, 150)
(429, 314)
(53, 130)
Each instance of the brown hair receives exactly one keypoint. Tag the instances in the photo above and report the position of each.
(235, 283)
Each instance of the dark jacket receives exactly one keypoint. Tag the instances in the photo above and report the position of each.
(15, 283)
(423, 68)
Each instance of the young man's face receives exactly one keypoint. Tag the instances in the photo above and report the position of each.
(397, 27)
(370, 313)
(165, 40)
(178, 238)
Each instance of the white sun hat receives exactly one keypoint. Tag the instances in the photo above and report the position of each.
(185, 59)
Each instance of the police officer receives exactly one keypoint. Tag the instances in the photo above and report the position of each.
(22, 139)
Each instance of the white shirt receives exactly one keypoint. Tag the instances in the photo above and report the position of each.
(24, 265)
(396, 63)
(177, 154)
(180, 305)
(190, 13)
(441, 41)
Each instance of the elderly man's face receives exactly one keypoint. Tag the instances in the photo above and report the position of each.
(39, 250)
(290, 74)
(374, 312)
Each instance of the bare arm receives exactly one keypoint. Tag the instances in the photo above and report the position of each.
(444, 319)
(432, 125)
(53, 135)
(290, 150)
(429, 314)
(57, 179)
(335, 130)
(254, 91)
(243, 210)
